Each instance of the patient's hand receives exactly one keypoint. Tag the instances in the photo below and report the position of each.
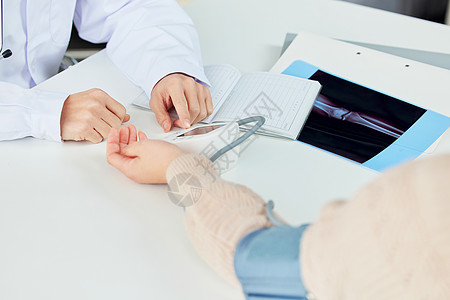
(144, 161)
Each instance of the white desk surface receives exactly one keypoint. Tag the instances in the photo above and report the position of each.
(72, 227)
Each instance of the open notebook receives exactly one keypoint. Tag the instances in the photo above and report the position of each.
(284, 101)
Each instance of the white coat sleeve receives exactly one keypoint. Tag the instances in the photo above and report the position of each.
(29, 112)
(147, 39)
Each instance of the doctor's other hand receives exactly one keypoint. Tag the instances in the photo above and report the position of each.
(90, 115)
(191, 100)
(143, 161)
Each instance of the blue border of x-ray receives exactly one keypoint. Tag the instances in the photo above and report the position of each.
(412, 143)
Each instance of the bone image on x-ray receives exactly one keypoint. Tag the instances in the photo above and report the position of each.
(325, 107)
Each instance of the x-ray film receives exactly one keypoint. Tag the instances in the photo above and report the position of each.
(363, 125)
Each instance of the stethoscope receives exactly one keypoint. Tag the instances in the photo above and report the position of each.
(7, 53)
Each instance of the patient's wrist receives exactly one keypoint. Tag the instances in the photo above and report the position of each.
(193, 164)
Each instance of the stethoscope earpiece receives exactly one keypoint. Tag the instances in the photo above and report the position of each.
(7, 53)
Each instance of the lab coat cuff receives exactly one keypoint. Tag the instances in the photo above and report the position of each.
(194, 71)
(195, 166)
(46, 114)
(202, 83)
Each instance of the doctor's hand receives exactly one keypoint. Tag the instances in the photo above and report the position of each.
(192, 101)
(90, 115)
(145, 161)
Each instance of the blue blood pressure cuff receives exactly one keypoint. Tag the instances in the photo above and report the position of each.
(267, 263)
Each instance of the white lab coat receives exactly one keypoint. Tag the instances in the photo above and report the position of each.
(147, 40)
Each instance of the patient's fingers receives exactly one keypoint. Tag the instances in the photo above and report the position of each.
(112, 145)
(114, 154)
(142, 136)
(133, 133)
(124, 137)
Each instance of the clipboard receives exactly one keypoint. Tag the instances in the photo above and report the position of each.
(376, 109)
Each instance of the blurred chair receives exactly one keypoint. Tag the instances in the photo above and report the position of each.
(432, 10)
(67, 62)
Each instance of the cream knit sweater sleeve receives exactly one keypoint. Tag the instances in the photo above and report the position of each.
(390, 241)
(222, 215)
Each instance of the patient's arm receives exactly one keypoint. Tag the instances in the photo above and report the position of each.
(223, 214)
(392, 236)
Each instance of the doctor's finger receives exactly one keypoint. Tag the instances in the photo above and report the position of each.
(115, 107)
(190, 92)
(126, 118)
(181, 106)
(93, 136)
(110, 118)
(202, 103)
(160, 111)
(102, 128)
(209, 103)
